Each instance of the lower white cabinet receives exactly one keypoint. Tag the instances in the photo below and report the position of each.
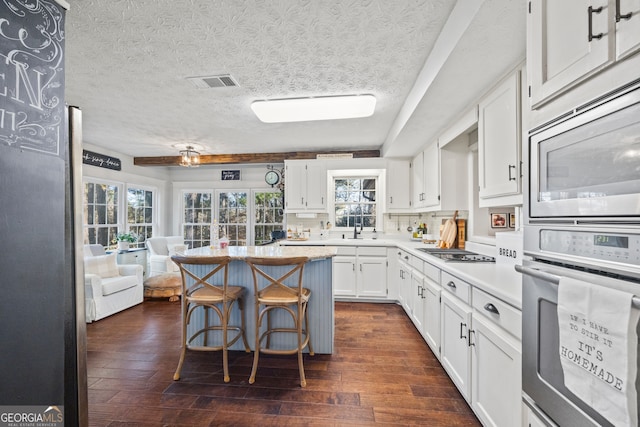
(496, 364)
(404, 283)
(431, 324)
(360, 272)
(455, 357)
(417, 300)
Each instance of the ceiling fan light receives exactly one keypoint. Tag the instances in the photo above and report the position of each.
(311, 109)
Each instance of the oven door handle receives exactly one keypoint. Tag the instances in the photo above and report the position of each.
(552, 278)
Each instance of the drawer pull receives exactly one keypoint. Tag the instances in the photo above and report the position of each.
(462, 325)
(451, 285)
(491, 308)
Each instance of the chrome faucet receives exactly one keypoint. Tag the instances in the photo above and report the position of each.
(355, 224)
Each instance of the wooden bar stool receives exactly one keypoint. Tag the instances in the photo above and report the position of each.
(211, 291)
(276, 295)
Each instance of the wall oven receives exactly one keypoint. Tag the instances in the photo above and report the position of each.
(586, 165)
(582, 221)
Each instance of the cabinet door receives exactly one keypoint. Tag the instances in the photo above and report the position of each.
(316, 189)
(454, 350)
(497, 377)
(405, 287)
(499, 141)
(398, 185)
(344, 276)
(393, 274)
(372, 276)
(627, 28)
(432, 175)
(417, 180)
(560, 52)
(431, 325)
(417, 300)
(295, 178)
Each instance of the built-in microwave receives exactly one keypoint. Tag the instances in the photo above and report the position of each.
(585, 166)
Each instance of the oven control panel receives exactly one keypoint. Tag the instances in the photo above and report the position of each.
(616, 247)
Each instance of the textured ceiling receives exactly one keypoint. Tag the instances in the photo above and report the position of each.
(127, 62)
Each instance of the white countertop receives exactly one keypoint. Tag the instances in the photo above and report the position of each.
(500, 280)
(269, 251)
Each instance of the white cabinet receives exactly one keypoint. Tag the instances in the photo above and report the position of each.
(439, 176)
(134, 256)
(416, 305)
(431, 324)
(570, 40)
(417, 180)
(404, 283)
(496, 374)
(627, 19)
(360, 272)
(455, 357)
(398, 189)
(305, 185)
(499, 142)
(393, 273)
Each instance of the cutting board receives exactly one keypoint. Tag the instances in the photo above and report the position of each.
(449, 232)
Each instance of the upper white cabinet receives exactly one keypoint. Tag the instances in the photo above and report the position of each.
(398, 186)
(305, 185)
(499, 143)
(439, 176)
(571, 40)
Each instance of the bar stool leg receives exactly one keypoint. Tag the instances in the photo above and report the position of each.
(256, 350)
(176, 375)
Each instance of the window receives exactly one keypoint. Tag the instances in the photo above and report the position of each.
(233, 217)
(140, 214)
(197, 218)
(355, 201)
(269, 215)
(100, 213)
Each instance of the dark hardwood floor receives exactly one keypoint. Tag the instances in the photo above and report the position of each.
(381, 373)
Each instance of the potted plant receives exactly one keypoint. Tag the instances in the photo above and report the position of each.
(123, 240)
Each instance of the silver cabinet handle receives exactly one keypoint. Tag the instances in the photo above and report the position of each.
(590, 12)
(619, 15)
(451, 285)
(491, 308)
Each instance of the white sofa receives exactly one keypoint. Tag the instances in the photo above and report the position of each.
(109, 287)
(160, 251)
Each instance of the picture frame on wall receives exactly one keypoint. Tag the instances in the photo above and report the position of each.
(498, 220)
(512, 220)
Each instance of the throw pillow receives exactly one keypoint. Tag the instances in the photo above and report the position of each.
(104, 266)
(176, 249)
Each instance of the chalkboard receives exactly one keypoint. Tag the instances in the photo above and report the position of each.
(37, 307)
(101, 160)
(32, 76)
(233, 175)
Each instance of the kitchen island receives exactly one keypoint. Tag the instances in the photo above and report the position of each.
(317, 277)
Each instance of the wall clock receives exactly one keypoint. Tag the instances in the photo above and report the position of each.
(272, 177)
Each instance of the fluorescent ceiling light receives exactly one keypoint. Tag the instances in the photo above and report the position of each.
(320, 108)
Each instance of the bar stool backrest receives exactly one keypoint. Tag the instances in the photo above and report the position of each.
(297, 264)
(204, 280)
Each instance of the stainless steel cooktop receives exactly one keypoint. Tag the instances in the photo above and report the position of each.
(457, 255)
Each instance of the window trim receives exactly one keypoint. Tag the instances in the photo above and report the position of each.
(378, 174)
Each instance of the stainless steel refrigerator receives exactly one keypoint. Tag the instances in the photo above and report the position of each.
(42, 328)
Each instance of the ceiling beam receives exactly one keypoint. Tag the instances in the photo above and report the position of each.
(226, 159)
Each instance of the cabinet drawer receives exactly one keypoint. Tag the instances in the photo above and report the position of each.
(499, 312)
(416, 263)
(456, 286)
(372, 251)
(346, 250)
(432, 272)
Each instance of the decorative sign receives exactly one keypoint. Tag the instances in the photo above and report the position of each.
(231, 175)
(100, 160)
(32, 110)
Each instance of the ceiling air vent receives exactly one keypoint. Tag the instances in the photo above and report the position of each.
(208, 82)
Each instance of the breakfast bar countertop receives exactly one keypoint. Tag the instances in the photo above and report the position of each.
(268, 251)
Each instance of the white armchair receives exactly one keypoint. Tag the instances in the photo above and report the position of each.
(109, 287)
(160, 251)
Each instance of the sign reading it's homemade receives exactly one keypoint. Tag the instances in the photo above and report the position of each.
(100, 160)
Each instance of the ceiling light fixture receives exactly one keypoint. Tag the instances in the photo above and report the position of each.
(318, 108)
(190, 157)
